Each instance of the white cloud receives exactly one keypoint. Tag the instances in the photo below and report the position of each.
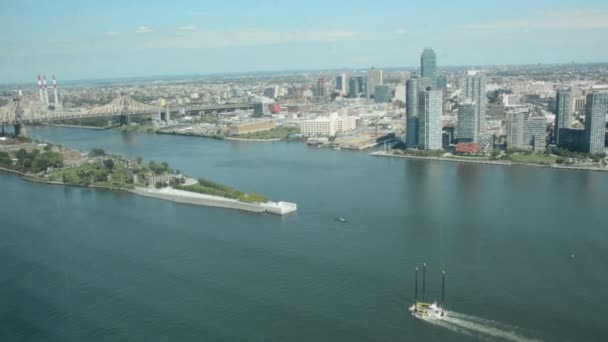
(188, 28)
(112, 33)
(571, 19)
(143, 29)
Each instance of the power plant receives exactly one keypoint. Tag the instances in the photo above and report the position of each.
(43, 92)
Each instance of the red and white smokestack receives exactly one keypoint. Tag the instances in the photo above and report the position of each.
(40, 89)
(46, 91)
(55, 91)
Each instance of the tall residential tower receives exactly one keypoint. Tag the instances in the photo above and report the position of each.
(595, 121)
(428, 66)
(563, 111)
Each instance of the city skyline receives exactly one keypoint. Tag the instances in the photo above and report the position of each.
(93, 41)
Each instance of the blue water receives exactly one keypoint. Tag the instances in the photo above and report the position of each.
(90, 265)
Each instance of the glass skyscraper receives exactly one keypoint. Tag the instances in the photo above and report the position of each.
(428, 65)
(411, 112)
(563, 111)
(475, 90)
(595, 121)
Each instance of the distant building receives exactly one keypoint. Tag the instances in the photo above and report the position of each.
(259, 109)
(595, 121)
(341, 84)
(411, 112)
(475, 90)
(467, 129)
(515, 129)
(563, 111)
(375, 77)
(400, 93)
(535, 132)
(428, 65)
(430, 108)
(383, 94)
(271, 92)
(442, 82)
(321, 88)
(354, 87)
(250, 127)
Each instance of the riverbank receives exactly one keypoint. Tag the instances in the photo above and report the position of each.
(76, 126)
(487, 161)
(252, 140)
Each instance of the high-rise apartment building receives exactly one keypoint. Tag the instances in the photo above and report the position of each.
(411, 112)
(595, 121)
(341, 84)
(430, 108)
(467, 129)
(321, 88)
(515, 129)
(563, 111)
(535, 132)
(354, 86)
(428, 65)
(475, 90)
(375, 77)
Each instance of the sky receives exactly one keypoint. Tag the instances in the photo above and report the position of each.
(82, 39)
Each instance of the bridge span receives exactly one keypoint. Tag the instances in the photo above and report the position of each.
(21, 111)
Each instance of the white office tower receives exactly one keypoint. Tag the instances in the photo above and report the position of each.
(430, 104)
(375, 77)
(475, 90)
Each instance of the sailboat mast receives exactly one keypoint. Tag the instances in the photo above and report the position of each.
(416, 287)
(442, 292)
(423, 280)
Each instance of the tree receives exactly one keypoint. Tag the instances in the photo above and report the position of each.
(21, 154)
(108, 164)
(139, 160)
(5, 159)
(97, 152)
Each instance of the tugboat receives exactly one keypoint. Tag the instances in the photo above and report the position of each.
(424, 310)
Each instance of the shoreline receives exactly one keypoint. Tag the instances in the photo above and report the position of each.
(179, 196)
(77, 126)
(490, 162)
(252, 140)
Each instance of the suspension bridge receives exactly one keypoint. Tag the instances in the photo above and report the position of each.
(21, 111)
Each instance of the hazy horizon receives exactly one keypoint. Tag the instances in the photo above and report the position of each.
(109, 40)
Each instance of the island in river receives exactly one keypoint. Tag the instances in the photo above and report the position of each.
(54, 164)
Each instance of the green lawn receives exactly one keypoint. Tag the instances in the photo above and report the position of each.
(214, 189)
(275, 133)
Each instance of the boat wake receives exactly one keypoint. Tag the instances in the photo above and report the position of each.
(480, 328)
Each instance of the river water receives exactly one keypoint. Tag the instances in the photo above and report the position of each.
(525, 249)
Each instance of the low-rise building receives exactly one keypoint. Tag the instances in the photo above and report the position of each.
(250, 127)
(328, 126)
